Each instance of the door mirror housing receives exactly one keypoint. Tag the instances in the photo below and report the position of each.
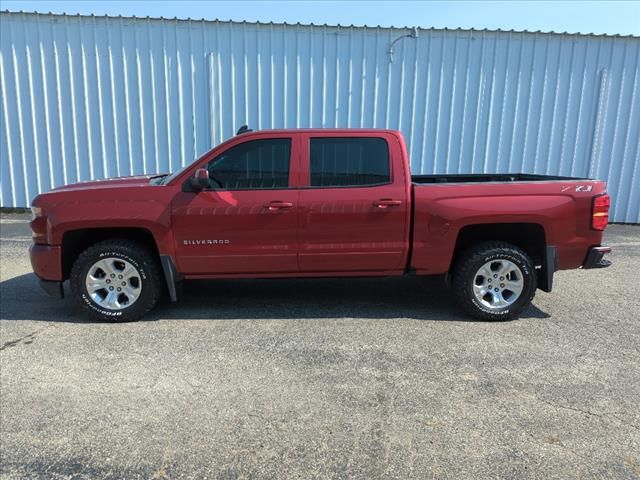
(200, 180)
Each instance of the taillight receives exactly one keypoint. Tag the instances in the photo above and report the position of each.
(600, 212)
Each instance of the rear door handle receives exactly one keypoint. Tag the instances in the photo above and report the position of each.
(275, 205)
(386, 203)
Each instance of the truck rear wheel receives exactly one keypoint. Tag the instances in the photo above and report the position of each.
(116, 281)
(494, 281)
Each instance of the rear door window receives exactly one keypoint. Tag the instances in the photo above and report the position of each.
(349, 162)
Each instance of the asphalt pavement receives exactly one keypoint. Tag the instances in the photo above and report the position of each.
(333, 378)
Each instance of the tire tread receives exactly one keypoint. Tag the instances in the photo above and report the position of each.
(465, 267)
(134, 249)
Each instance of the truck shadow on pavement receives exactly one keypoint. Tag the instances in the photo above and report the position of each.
(418, 298)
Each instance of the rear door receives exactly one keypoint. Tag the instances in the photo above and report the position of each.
(353, 210)
(246, 222)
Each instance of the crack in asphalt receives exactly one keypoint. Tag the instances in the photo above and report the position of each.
(588, 412)
(25, 340)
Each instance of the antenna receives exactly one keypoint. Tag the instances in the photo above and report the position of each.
(243, 129)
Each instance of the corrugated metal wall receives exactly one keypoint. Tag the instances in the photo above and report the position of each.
(92, 97)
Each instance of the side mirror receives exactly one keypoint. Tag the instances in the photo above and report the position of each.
(200, 180)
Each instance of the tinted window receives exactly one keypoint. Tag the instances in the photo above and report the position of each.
(252, 165)
(340, 162)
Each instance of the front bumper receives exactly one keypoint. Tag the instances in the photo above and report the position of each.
(595, 258)
(46, 261)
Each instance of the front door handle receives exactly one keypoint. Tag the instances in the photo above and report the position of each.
(275, 205)
(386, 203)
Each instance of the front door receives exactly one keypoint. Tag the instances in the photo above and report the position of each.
(353, 212)
(246, 221)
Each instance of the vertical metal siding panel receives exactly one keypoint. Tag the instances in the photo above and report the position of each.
(547, 106)
(48, 124)
(88, 92)
(483, 91)
(13, 99)
(578, 108)
(142, 69)
(606, 104)
(374, 92)
(10, 148)
(498, 80)
(620, 161)
(418, 105)
(630, 153)
(509, 101)
(251, 76)
(572, 104)
(445, 105)
(110, 89)
(589, 103)
(454, 129)
(28, 114)
(185, 107)
(101, 79)
(36, 110)
(487, 112)
(534, 107)
(515, 155)
(560, 94)
(435, 74)
(303, 82)
(473, 53)
(414, 119)
(76, 86)
(92, 97)
(6, 192)
(217, 85)
(199, 97)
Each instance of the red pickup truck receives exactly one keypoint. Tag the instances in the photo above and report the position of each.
(315, 203)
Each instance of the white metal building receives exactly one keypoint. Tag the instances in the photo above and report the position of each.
(86, 97)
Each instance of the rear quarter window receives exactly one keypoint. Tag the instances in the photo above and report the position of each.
(349, 162)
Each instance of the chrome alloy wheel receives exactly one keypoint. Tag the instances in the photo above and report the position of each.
(113, 283)
(498, 284)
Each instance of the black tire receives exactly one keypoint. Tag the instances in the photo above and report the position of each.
(134, 253)
(465, 277)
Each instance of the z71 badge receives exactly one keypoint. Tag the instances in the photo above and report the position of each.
(578, 188)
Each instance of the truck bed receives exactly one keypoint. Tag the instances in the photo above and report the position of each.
(487, 177)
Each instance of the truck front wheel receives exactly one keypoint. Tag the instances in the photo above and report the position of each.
(116, 280)
(494, 281)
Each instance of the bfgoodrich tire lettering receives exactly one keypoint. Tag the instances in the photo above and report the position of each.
(467, 271)
(136, 255)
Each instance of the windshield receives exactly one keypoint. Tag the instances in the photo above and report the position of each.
(167, 178)
(163, 180)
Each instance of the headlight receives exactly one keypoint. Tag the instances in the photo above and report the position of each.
(36, 212)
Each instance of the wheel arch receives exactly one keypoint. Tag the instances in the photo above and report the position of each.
(74, 242)
(530, 237)
(474, 261)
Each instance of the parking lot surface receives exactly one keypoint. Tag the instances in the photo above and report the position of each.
(334, 378)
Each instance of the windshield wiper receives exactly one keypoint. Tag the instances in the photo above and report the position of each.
(158, 179)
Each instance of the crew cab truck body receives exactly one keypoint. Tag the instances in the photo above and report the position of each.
(315, 203)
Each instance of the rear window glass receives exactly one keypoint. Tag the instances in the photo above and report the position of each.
(343, 162)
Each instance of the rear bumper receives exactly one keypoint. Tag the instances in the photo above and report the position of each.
(595, 258)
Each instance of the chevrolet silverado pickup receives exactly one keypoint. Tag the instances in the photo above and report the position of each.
(314, 203)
